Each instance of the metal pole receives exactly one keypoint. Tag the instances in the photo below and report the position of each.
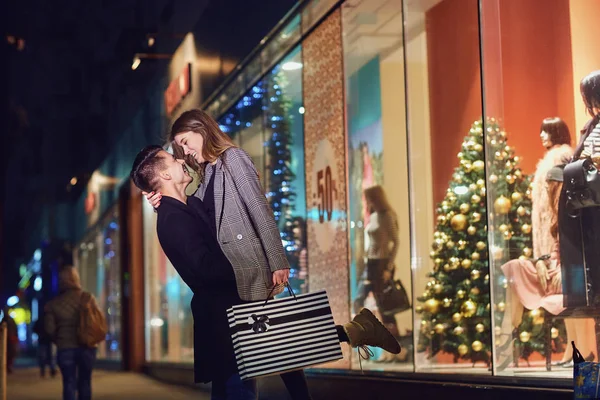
(3, 344)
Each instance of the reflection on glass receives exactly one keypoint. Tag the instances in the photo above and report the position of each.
(448, 198)
(378, 182)
(267, 123)
(100, 270)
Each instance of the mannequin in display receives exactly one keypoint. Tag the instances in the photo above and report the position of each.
(538, 283)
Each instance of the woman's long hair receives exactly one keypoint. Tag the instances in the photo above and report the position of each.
(554, 189)
(376, 198)
(216, 142)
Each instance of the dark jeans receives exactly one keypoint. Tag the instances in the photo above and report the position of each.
(234, 388)
(372, 281)
(76, 369)
(45, 358)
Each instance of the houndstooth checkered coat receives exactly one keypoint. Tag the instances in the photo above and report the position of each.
(246, 227)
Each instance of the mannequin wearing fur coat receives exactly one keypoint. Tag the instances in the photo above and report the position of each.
(538, 283)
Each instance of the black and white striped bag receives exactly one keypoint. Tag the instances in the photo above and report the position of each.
(283, 334)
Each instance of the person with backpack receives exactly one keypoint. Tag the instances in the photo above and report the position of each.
(76, 325)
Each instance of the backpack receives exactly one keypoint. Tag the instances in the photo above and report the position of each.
(92, 327)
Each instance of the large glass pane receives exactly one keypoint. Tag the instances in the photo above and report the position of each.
(169, 323)
(447, 187)
(378, 177)
(267, 123)
(100, 271)
(534, 60)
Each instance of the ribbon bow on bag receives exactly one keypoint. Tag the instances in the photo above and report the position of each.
(260, 323)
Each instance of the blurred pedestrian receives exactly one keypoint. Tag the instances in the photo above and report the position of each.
(64, 320)
(45, 356)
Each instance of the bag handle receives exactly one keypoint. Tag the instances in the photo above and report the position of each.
(577, 357)
(289, 288)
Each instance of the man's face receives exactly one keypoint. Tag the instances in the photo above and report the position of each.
(174, 169)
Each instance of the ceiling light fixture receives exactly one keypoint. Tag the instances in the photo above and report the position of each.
(136, 63)
(291, 66)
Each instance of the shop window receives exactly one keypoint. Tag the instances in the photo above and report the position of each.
(533, 62)
(100, 271)
(267, 123)
(378, 176)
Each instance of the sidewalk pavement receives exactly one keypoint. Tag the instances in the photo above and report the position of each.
(26, 384)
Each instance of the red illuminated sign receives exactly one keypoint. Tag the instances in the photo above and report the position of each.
(178, 89)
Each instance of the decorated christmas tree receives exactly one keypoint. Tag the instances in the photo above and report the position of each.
(455, 306)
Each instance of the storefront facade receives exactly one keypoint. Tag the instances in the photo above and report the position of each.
(439, 104)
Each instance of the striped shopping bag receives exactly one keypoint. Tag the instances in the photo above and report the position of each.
(284, 334)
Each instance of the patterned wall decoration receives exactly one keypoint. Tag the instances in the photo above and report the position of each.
(325, 162)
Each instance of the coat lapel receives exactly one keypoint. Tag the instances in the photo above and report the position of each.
(219, 193)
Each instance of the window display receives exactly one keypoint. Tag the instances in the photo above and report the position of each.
(378, 208)
(98, 260)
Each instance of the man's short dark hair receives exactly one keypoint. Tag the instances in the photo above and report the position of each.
(146, 166)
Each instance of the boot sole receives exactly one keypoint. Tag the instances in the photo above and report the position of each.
(373, 319)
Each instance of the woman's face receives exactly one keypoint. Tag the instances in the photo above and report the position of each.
(546, 142)
(192, 144)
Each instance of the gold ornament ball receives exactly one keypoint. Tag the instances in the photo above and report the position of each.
(471, 230)
(476, 217)
(461, 294)
(468, 308)
(526, 229)
(516, 197)
(475, 291)
(450, 244)
(462, 244)
(447, 267)
(493, 178)
(441, 219)
(507, 235)
(477, 345)
(472, 187)
(460, 154)
(501, 306)
(481, 246)
(502, 205)
(438, 288)
(475, 199)
(475, 274)
(482, 192)
(447, 302)
(510, 179)
(498, 155)
(486, 278)
(458, 330)
(459, 222)
(527, 252)
(478, 147)
(468, 167)
(456, 317)
(525, 336)
(497, 330)
(432, 306)
(521, 211)
(464, 208)
(479, 328)
(475, 256)
(463, 349)
(466, 263)
(518, 173)
(438, 261)
(480, 182)
(478, 165)
(439, 329)
(554, 333)
(503, 228)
